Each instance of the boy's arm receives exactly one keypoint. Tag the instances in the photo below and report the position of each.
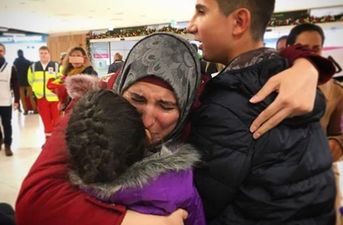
(296, 87)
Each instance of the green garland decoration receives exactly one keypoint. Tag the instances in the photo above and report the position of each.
(279, 19)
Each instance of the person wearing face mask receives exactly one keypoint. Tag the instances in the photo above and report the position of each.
(38, 75)
(8, 81)
(75, 62)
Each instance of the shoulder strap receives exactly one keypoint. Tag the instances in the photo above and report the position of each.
(33, 70)
(3, 67)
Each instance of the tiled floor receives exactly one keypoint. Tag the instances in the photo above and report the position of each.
(28, 137)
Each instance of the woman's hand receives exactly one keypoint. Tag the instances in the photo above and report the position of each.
(135, 218)
(177, 217)
(297, 89)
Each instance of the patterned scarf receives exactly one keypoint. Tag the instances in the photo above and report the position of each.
(170, 58)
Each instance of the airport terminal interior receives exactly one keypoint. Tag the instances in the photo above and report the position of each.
(106, 31)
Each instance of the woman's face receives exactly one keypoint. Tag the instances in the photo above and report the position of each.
(158, 107)
(76, 59)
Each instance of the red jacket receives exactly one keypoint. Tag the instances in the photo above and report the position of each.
(47, 197)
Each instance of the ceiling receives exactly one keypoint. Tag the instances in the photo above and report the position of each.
(62, 16)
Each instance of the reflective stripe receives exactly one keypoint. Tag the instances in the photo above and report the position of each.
(50, 95)
(38, 80)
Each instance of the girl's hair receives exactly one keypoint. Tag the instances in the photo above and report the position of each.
(67, 67)
(105, 136)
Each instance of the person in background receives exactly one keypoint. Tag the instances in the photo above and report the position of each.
(312, 37)
(117, 63)
(38, 75)
(22, 65)
(281, 43)
(8, 82)
(77, 62)
(282, 177)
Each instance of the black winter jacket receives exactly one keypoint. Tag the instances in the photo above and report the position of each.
(90, 71)
(22, 65)
(284, 177)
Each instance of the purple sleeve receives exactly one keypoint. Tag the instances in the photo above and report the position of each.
(164, 195)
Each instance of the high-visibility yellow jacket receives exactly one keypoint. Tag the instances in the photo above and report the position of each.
(38, 79)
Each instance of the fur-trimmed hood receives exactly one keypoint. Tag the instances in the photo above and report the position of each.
(79, 85)
(143, 172)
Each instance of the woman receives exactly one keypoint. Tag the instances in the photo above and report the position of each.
(47, 197)
(164, 100)
(77, 62)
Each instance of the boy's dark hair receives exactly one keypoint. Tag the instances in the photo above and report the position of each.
(105, 135)
(44, 48)
(261, 13)
(297, 30)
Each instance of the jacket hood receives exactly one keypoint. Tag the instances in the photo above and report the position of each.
(142, 172)
(79, 85)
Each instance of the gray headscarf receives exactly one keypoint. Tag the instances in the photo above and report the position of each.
(170, 58)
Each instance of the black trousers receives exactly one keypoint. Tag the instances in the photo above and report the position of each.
(6, 120)
(6, 214)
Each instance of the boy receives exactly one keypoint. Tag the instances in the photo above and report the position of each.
(285, 176)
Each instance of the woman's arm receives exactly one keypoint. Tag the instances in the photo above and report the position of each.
(135, 218)
(47, 197)
(296, 86)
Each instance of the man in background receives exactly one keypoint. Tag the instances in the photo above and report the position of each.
(8, 81)
(38, 75)
(21, 65)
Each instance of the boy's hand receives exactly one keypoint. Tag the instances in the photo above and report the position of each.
(297, 89)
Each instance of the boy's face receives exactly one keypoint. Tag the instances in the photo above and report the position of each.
(310, 40)
(211, 27)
